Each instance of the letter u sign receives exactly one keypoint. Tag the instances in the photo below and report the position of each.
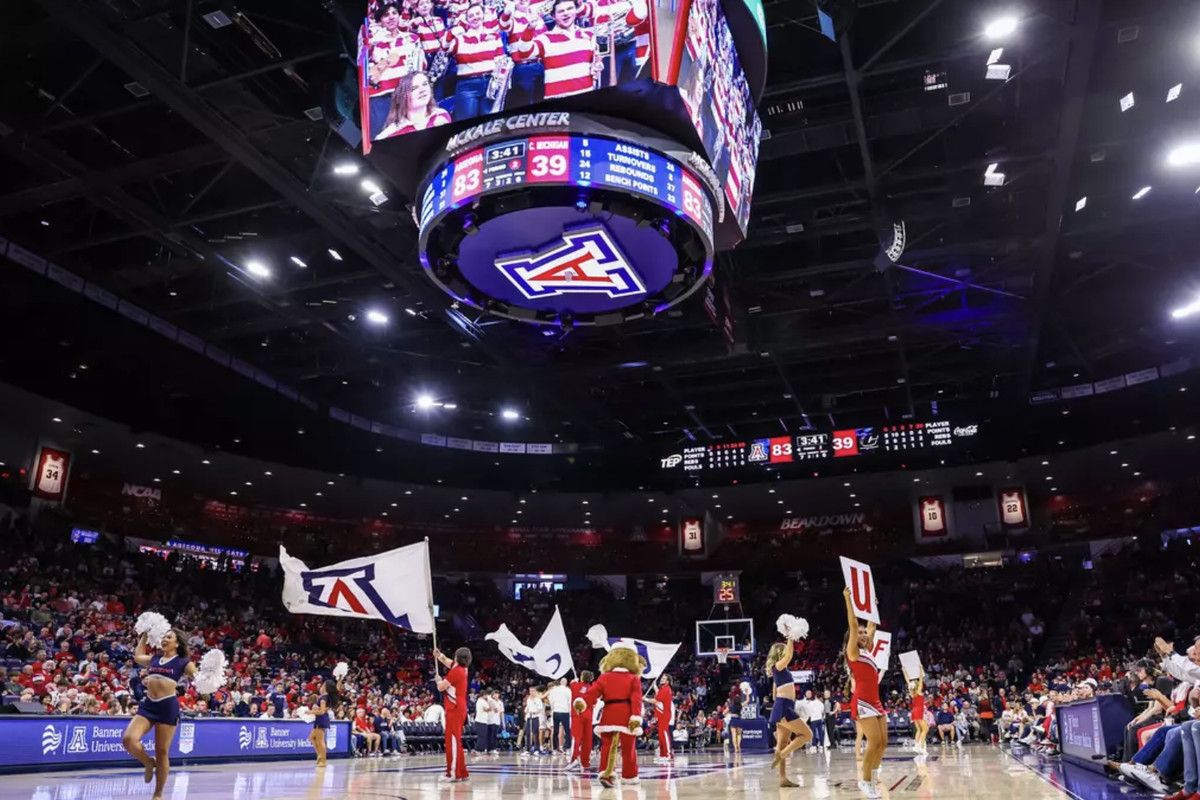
(863, 596)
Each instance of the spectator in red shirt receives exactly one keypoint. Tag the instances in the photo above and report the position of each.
(263, 642)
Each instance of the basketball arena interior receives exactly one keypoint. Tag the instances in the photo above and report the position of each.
(631, 399)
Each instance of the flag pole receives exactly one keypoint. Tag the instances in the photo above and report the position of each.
(429, 596)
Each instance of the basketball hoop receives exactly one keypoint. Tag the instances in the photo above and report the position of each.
(722, 655)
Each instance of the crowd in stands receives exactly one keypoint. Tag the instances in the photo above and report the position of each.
(66, 614)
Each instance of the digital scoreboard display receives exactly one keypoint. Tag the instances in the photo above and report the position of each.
(912, 437)
(557, 159)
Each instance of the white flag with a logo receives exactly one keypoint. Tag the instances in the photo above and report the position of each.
(550, 657)
(394, 586)
(656, 654)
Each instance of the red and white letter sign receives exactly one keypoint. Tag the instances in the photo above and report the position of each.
(862, 589)
(881, 651)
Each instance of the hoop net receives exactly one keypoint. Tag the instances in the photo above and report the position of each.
(722, 655)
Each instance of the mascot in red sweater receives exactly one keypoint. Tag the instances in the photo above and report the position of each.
(619, 687)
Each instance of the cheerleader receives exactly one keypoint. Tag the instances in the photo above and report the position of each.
(868, 707)
(791, 732)
(159, 708)
(916, 688)
(332, 692)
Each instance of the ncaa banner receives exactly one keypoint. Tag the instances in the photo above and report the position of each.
(394, 586)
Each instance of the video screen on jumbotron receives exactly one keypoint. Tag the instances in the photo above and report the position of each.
(426, 63)
(718, 99)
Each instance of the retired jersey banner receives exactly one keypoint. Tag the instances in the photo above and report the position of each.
(1014, 508)
(394, 586)
(931, 513)
(48, 479)
(691, 535)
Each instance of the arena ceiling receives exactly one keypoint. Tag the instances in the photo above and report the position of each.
(155, 152)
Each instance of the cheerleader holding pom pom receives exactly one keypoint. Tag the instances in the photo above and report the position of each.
(159, 709)
(330, 697)
(791, 732)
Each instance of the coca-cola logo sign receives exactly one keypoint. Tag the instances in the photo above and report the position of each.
(147, 493)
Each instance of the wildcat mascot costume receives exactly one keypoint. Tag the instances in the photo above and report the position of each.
(620, 688)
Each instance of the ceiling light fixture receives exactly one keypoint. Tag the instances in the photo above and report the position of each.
(425, 402)
(346, 168)
(258, 269)
(1142, 192)
(1001, 27)
(1187, 310)
(298, 262)
(1173, 92)
(1127, 102)
(510, 414)
(377, 317)
(1185, 155)
(334, 254)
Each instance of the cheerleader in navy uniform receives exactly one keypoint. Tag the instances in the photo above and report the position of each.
(322, 711)
(159, 708)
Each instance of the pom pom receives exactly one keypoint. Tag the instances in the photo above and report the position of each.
(598, 636)
(212, 672)
(153, 625)
(792, 627)
(745, 687)
(341, 670)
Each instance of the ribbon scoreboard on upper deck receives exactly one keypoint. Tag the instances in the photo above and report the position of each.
(911, 437)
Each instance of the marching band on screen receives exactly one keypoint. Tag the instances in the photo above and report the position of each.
(426, 63)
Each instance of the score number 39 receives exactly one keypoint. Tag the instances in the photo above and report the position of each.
(544, 165)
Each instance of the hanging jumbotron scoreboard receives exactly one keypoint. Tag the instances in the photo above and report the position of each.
(571, 162)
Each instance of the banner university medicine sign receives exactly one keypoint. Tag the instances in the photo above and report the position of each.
(45, 742)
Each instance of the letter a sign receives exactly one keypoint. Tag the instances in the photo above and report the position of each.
(862, 589)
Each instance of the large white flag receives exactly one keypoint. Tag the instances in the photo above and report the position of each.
(394, 586)
(657, 655)
(550, 657)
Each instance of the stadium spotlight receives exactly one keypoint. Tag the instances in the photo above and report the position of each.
(1185, 155)
(425, 402)
(258, 269)
(510, 414)
(1188, 310)
(377, 317)
(1001, 27)
(346, 168)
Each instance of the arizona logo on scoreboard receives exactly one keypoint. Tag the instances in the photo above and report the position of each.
(585, 259)
(931, 511)
(1014, 509)
(48, 481)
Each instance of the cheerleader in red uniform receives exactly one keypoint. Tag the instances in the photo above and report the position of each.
(868, 708)
(916, 688)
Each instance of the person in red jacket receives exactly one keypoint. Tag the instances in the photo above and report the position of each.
(620, 687)
(581, 724)
(664, 713)
(454, 697)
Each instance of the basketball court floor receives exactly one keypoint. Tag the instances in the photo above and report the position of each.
(974, 773)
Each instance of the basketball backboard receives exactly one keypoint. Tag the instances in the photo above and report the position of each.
(735, 634)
